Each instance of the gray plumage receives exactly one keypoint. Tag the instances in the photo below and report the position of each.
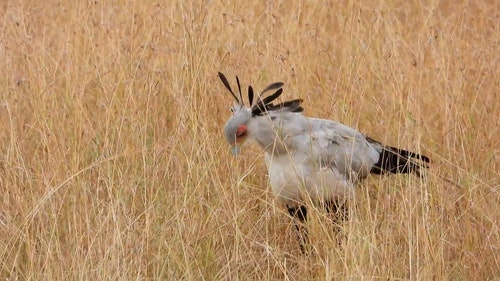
(310, 158)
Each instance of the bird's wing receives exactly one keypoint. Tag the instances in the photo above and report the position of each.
(340, 147)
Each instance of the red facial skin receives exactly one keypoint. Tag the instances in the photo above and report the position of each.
(241, 133)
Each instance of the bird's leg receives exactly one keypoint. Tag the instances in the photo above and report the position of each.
(299, 215)
(338, 208)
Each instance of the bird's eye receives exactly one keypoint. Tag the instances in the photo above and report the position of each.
(232, 110)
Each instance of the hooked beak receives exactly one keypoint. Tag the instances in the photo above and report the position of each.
(240, 137)
(235, 150)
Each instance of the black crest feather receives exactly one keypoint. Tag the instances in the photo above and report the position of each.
(273, 86)
(290, 106)
(239, 89)
(272, 97)
(263, 106)
(250, 95)
(226, 84)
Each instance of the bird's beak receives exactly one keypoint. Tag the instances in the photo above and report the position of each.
(235, 150)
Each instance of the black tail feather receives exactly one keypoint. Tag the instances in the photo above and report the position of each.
(398, 161)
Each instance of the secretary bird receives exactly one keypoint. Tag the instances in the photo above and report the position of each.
(310, 159)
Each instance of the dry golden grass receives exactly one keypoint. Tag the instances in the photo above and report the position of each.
(113, 165)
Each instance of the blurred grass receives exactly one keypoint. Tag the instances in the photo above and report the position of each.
(113, 165)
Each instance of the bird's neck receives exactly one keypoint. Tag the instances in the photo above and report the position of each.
(271, 136)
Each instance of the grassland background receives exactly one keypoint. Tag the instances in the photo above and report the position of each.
(113, 165)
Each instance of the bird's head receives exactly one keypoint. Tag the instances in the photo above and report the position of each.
(236, 130)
